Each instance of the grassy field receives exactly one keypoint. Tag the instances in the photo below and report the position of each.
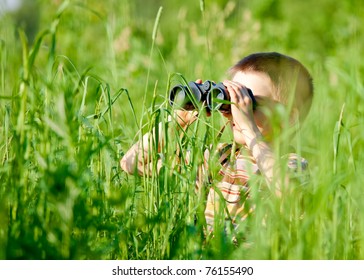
(81, 80)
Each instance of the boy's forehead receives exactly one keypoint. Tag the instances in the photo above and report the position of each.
(259, 82)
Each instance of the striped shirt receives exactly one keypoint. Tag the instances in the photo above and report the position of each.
(228, 197)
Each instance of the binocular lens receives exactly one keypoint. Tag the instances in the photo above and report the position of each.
(215, 96)
(181, 97)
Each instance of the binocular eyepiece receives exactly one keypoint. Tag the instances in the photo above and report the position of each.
(214, 96)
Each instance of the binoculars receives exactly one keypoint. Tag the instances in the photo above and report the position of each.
(214, 96)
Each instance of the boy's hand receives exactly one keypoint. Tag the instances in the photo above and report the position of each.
(242, 107)
(185, 118)
(245, 129)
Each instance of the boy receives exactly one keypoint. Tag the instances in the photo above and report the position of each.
(275, 80)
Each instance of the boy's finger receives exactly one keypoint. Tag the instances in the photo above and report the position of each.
(232, 91)
(241, 91)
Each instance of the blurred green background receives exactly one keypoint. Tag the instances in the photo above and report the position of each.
(77, 79)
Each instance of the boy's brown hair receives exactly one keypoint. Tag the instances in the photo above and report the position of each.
(288, 76)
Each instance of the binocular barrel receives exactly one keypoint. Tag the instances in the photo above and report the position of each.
(214, 96)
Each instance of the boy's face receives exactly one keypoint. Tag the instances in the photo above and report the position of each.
(263, 90)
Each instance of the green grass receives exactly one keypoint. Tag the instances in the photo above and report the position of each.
(78, 95)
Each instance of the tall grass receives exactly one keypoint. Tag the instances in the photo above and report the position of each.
(74, 100)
